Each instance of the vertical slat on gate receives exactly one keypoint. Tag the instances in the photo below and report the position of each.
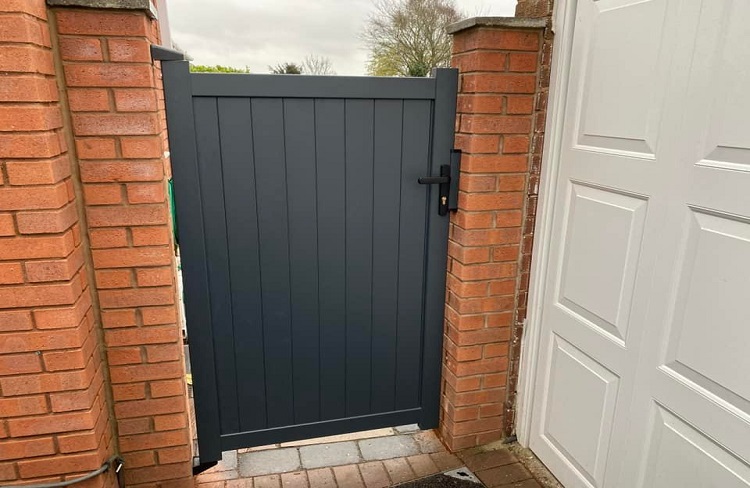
(330, 141)
(413, 220)
(270, 173)
(238, 167)
(212, 198)
(387, 183)
(299, 129)
(359, 243)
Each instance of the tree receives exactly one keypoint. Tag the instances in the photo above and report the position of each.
(317, 65)
(408, 37)
(286, 69)
(202, 68)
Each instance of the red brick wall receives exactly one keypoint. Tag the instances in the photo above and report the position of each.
(488, 254)
(534, 8)
(115, 96)
(54, 419)
(88, 318)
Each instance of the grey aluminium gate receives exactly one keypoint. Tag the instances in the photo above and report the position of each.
(314, 262)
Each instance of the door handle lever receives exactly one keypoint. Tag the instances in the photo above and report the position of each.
(444, 180)
(434, 180)
(448, 181)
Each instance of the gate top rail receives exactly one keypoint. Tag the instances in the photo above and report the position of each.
(302, 86)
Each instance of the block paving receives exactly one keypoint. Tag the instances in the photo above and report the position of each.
(358, 461)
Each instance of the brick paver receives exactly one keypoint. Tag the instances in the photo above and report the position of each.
(218, 476)
(212, 484)
(399, 470)
(321, 478)
(348, 476)
(269, 481)
(374, 474)
(446, 461)
(503, 475)
(480, 460)
(297, 479)
(240, 483)
(422, 465)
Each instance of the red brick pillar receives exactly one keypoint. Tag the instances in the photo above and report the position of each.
(114, 96)
(54, 417)
(498, 61)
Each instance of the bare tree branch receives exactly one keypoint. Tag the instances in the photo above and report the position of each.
(317, 65)
(408, 37)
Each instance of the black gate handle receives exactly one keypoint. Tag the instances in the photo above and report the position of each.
(434, 180)
(448, 181)
(444, 180)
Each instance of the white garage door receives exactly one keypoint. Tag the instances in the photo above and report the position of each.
(643, 370)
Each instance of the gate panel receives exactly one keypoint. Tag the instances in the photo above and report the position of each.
(316, 273)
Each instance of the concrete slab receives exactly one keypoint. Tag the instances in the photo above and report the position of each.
(271, 461)
(388, 447)
(332, 454)
(428, 442)
(227, 463)
(407, 429)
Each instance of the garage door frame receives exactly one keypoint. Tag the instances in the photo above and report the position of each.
(563, 17)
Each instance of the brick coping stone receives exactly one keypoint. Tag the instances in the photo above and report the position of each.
(512, 22)
(146, 5)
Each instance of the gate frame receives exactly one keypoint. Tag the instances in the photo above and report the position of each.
(178, 97)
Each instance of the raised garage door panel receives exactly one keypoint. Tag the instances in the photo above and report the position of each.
(682, 457)
(643, 367)
(712, 283)
(580, 408)
(629, 84)
(602, 247)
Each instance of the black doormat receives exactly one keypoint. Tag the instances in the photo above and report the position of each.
(444, 481)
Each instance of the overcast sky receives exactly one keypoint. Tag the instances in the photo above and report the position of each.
(259, 33)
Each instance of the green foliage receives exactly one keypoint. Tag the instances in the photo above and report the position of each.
(202, 68)
(286, 69)
(383, 61)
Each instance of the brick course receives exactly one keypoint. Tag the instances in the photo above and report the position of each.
(118, 131)
(89, 341)
(54, 420)
(488, 253)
